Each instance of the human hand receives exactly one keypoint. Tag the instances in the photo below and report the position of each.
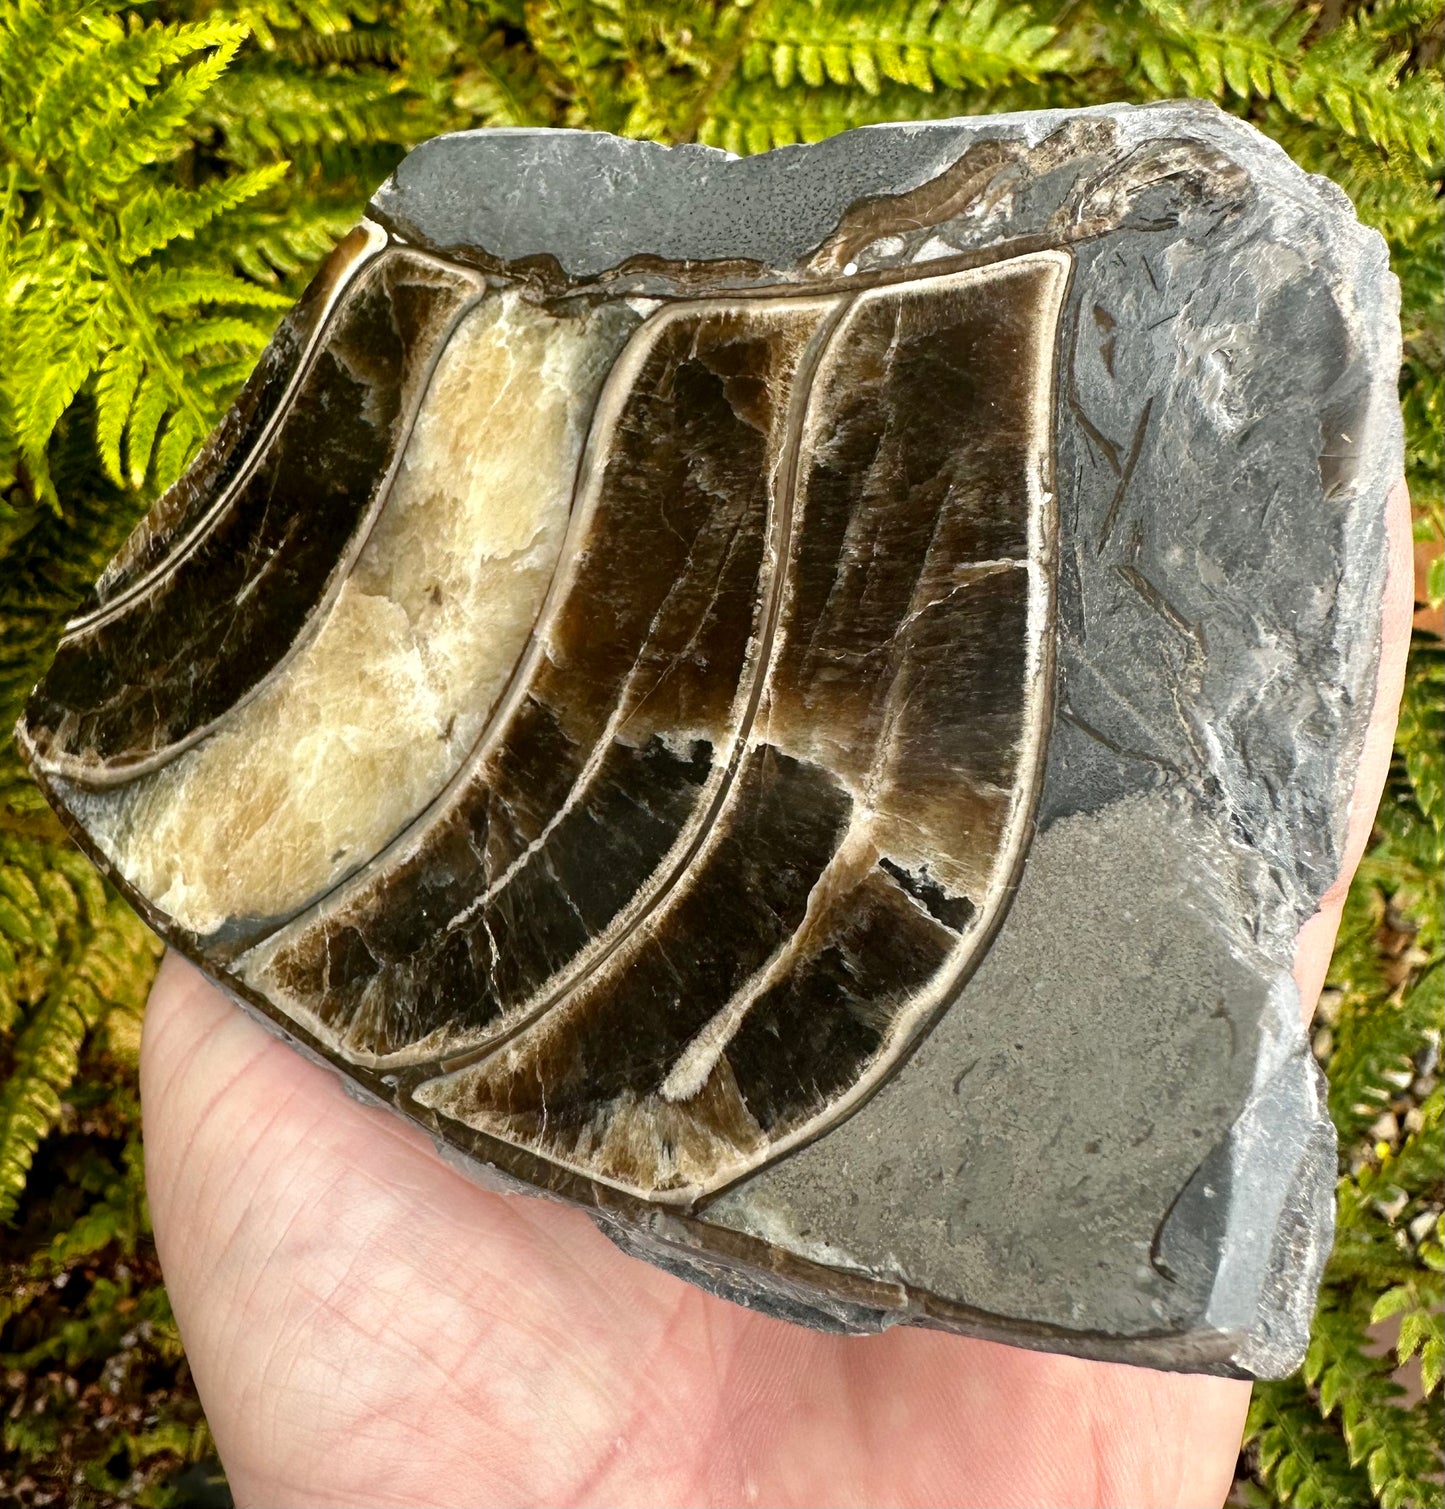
(367, 1327)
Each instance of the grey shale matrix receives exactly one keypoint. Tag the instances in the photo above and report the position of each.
(796, 703)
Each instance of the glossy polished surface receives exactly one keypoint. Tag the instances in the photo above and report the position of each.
(797, 703)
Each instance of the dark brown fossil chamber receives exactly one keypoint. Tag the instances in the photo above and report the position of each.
(609, 756)
(883, 789)
(620, 722)
(152, 669)
(257, 408)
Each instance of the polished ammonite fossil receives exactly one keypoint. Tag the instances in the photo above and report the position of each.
(600, 688)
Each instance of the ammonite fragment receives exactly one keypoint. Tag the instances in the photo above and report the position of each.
(649, 617)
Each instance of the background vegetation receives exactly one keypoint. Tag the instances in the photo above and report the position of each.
(170, 172)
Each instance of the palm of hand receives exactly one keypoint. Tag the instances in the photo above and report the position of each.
(366, 1327)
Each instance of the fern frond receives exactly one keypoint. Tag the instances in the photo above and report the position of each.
(105, 70)
(582, 58)
(1259, 51)
(42, 1064)
(645, 38)
(1389, 193)
(345, 48)
(1418, 1306)
(1377, 1038)
(275, 109)
(501, 86)
(86, 953)
(85, 302)
(269, 242)
(151, 129)
(167, 290)
(270, 20)
(1396, 1446)
(1302, 1456)
(953, 44)
(115, 394)
(1353, 74)
(756, 116)
(147, 414)
(165, 213)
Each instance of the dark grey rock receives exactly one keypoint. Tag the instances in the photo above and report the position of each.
(1108, 1132)
(1112, 1139)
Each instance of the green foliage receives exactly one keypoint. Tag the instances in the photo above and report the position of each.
(1299, 1453)
(1376, 1274)
(71, 954)
(807, 70)
(170, 172)
(100, 1409)
(99, 293)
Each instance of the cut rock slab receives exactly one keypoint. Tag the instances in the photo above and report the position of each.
(799, 704)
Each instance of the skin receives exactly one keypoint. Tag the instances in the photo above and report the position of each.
(367, 1327)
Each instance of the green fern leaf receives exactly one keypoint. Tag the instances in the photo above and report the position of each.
(172, 290)
(45, 1058)
(151, 129)
(115, 393)
(162, 214)
(177, 443)
(152, 403)
(1301, 1456)
(86, 309)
